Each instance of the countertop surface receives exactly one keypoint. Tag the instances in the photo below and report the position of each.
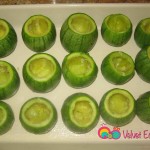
(18, 2)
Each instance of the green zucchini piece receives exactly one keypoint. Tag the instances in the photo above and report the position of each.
(8, 38)
(116, 29)
(39, 33)
(78, 33)
(142, 64)
(117, 107)
(143, 107)
(41, 72)
(9, 80)
(80, 113)
(38, 115)
(79, 69)
(118, 68)
(6, 117)
(142, 33)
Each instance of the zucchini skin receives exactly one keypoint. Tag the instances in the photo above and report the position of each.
(42, 86)
(40, 43)
(111, 74)
(77, 81)
(142, 64)
(75, 42)
(8, 123)
(9, 42)
(12, 87)
(39, 130)
(116, 39)
(143, 107)
(66, 115)
(111, 120)
(141, 38)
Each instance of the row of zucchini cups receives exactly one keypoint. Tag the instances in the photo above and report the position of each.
(80, 112)
(42, 72)
(79, 33)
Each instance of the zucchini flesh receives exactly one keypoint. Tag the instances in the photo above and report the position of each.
(80, 113)
(8, 38)
(116, 29)
(79, 65)
(118, 68)
(39, 33)
(38, 26)
(81, 23)
(3, 29)
(41, 68)
(6, 117)
(117, 107)
(79, 69)
(42, 72)
(9, 80)
(142, 33)
(78, 33)
(38, 115)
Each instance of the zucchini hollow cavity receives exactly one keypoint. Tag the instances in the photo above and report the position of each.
(117, 107)
(8, 38)
(116, 29)
(78, 33)
(42, 72)
(79, 69)
(9, 80)
(38, 115)
(80, 113)
(39, 33)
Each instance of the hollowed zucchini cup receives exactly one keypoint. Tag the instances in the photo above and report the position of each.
(80, 113)
(9, 80)
(79, 69)
(143, 107)
(142, 64)
(8, 38)
(117, 107)
(6, 117)
(78, 33)
(142, 33)
(41, 72)
(116, 29)
(118, 68)
(39, 33)
(38, 115)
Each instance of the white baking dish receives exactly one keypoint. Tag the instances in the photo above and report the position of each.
(60, 137)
